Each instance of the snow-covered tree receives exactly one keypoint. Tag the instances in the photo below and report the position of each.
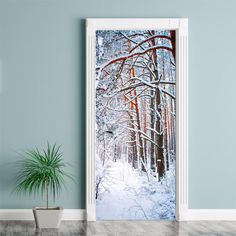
(135, 102)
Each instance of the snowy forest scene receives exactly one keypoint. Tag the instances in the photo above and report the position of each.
(135, 124)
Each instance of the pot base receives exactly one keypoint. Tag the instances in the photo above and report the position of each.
(47, 218)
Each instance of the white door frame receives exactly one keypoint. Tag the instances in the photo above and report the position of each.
(181, 27)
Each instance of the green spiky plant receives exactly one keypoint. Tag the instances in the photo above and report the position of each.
(42, 172)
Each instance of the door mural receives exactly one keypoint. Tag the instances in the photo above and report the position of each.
(135, 124)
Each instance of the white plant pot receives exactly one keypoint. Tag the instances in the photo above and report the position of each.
(47, 218)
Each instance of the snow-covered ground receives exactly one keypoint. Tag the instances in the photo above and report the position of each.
(126, 193)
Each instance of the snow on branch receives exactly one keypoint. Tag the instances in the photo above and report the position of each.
(130, 36)
(142, 81)
(148, 39)
(163, 82)
(168, 93)
(155, 131)
(149, 139)
(140, 84)
(123, 58)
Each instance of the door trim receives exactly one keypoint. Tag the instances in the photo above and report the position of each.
(181, 27)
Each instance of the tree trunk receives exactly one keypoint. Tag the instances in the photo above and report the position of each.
(133, 142)
(46, 190)
(159, 137)
(144, 109)
(165, 110)
(172, 36)
(141, 152)
(152, 104)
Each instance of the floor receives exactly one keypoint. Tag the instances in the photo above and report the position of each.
(122, 228)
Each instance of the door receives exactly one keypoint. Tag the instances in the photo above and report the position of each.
(136, 119)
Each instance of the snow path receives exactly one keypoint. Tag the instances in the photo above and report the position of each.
(128, 195)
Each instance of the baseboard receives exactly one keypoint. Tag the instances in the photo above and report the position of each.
(209, 214)
(80, 214)
(74, 214)
(27, 214)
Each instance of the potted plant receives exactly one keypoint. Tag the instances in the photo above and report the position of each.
(42, 172)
